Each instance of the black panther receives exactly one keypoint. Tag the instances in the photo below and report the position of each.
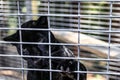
(31, 46)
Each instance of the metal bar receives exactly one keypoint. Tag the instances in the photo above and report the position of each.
(66, 44)
(62, 15)
(73, 30)
(49, 37)
(47, 57)
(20, 34)
(89, 72)
(33, 69)
(109, 39)
(84, 0)
(78, 55)
(78, 0)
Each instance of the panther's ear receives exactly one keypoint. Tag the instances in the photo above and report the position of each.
(42, 22)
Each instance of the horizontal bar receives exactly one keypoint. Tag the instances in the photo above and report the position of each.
(33, 69)
(52, 70)
(54, 57)
(73, 30)
(62, 15)
(65, 44)
(74, 0)
(85, 0)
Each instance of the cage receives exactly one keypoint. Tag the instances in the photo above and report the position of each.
(89, 28)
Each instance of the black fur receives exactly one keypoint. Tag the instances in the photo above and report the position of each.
(67, 66)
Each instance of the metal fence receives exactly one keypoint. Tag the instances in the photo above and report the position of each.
(90, 28)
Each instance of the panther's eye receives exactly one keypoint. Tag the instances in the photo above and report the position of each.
(25, 52)
(33, 23)
(41, 40)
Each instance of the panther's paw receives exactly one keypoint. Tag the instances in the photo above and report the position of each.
(68, 66)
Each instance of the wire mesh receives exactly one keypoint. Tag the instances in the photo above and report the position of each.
(90, 28)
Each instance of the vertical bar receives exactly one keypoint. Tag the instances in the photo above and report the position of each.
(78, 67)
(109, 39)
(20, 33)
(49, 37)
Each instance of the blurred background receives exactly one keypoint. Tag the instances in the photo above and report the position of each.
(98, 35)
